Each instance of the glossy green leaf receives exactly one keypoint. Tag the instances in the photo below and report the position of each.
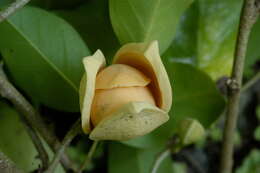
(128, 160)
(14, 141)
(92, 22)
(207, 36)
(253, 51)
(142, 20)
(194, 96)
(217, 35)
(184, 47)
(43, 55)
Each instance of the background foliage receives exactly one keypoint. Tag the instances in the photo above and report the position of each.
(42, 46)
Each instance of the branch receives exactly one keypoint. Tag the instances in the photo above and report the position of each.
(8, 91)
(12, 8)
(89, 156)
(159, 159)
(248, 17)
(37, 143)
(75, 130)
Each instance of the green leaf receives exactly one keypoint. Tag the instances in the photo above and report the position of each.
(217, 35)
(257, 133)
(92, 22)
(128, 160)
(194, 96)
(251, 164)
(253, 51)
(5, 2)
(15, 143)
(142, 20)
(43, 54)
(184, 47)
(207, 36)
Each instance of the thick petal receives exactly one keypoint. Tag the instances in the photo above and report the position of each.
(131, 120)
(120, 75)
(146, 58)
(92, 65)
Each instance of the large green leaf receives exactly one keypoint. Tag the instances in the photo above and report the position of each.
(14, 141)
(142, 20)
(92, 22)
(128, 160)
(43, 54)
(194, 96)
(253, 51)
(184, 46)
(207, 36)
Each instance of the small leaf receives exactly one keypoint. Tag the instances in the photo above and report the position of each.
(190, 131)
(251, 164)
(257, 133)
(43, 54)
(143, 21)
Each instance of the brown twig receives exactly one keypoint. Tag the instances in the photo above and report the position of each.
(248, 17)
(89, 156)
(12, 8)
(74, 131)
(43, 155)
(251, 82)
(8, 91)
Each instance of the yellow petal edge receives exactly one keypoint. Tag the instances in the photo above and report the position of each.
(92, 65)
(146, 58)
(131, 120)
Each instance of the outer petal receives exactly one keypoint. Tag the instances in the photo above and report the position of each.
(92, 65)
(131, 120)
(146, 58)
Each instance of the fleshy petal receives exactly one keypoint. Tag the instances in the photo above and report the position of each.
(146, 58)
(131, 120)
(92, 65)
(120, 75)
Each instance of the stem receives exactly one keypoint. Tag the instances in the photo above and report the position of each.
(251, 82)
(37, 143)
(12, 8)
(74, 131)
(8, 91)
(248, 17)
(159, 159)
(89, 156)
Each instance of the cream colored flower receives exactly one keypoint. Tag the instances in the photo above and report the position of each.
(127, 99)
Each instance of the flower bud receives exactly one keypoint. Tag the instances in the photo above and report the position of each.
(127, 99)
(190, 131)
(116, 86)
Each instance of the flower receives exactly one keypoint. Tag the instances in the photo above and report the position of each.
(127, 99)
